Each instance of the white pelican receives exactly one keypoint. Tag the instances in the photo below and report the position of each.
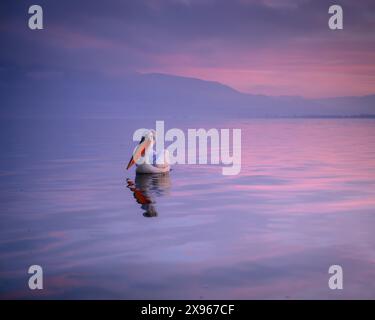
(149, 162)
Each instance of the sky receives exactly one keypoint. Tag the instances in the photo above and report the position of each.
(271, 47)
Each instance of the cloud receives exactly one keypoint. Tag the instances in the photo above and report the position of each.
(289, 37)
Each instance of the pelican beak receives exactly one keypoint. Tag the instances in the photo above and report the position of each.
(139, 152)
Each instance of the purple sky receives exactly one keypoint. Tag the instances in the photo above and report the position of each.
(273, 47)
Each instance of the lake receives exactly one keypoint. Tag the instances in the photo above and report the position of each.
(304, 200)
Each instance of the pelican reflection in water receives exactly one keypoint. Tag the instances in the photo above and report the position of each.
(147, 188)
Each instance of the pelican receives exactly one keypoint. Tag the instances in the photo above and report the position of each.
(146, 159)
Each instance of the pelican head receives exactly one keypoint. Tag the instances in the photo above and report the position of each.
(147, 141)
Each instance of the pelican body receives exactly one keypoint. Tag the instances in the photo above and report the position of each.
(146, 159)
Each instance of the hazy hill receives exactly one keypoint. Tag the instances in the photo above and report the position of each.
(156, 95)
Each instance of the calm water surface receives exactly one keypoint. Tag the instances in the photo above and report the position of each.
(304, 200)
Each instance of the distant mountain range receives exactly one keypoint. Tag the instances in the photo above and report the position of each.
(158, 96)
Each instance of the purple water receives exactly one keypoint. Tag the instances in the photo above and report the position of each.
(305, 200)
